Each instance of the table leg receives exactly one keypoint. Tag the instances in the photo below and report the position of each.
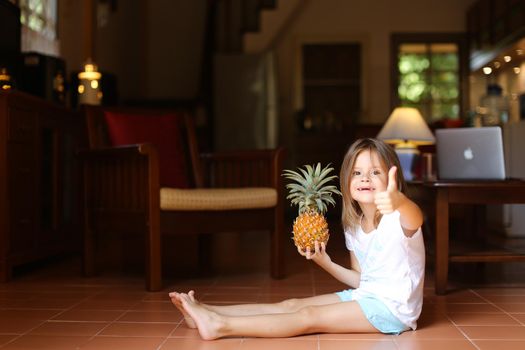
(442, 241)
(5, 271)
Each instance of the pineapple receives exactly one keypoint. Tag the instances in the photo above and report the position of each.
(311, 192)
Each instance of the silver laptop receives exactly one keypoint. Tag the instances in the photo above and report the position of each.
(470, 154)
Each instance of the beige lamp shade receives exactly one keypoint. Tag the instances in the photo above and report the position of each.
(406, 125)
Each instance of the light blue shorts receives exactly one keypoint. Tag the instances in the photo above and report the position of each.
(377, 313)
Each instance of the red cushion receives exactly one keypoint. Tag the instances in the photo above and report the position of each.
(163, 131)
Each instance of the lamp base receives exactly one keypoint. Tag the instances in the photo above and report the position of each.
(407, 158)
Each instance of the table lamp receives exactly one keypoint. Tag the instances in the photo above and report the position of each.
(89, 91)
(406, 129)
(5, 79)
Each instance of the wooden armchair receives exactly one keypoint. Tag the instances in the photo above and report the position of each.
(124, 192)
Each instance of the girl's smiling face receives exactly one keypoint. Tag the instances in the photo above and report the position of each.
(368, 177)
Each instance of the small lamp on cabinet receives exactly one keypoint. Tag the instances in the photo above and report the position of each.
(406, 129)
(6, 82)
(89, 91)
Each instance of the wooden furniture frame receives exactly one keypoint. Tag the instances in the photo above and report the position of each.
(122, 194)
(446, 193)
(39, 180)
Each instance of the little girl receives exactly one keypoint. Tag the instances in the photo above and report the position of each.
(387, 263)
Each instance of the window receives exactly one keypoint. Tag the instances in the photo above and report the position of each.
(428, 71)
(39, 26)
(40, 16)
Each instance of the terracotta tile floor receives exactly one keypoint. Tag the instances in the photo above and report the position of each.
(53, 307)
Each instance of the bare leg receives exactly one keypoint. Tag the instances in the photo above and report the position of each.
(285, 306)
(340, 317)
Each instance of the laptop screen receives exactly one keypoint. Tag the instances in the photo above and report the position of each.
(470, 154)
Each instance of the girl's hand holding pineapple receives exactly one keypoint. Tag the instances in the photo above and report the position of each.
(312, 194)
(318, 255)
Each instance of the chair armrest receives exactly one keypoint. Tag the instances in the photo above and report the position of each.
(255, 168)
(124, 177)
(117, 151)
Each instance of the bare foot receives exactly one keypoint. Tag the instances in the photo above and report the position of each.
(208, 322)
(176, 300)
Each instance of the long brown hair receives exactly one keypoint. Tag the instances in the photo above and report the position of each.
(352, 212)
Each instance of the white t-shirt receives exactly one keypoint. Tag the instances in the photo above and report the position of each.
(392, 267)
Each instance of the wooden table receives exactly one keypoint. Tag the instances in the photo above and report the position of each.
(446, 193)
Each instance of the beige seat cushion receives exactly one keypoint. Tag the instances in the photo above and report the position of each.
(217, 198)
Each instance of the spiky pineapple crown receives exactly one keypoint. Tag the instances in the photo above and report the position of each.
(311, 191)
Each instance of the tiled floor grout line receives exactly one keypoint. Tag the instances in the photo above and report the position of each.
(112, 322)
(459, 328)
(398, 346)
(501, 309)
(43, 322)
(21, 335)
(462, 332)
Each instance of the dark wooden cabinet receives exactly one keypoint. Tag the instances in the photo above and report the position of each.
(331, 86)
(39, 180)
(326, 148)
(331, 90)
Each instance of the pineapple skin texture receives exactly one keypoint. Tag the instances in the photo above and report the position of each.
(309, 227)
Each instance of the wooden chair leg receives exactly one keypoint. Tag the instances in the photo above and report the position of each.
(277, 246)
(89, 253)
(153, 260)
(88, 258)
(205, 254)
(5, 271)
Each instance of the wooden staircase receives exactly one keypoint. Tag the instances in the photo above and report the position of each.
(252, 26)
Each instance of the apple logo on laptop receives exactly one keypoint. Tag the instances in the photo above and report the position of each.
(468, 154)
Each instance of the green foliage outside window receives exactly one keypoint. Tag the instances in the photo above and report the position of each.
(39, 15)
(429, 81)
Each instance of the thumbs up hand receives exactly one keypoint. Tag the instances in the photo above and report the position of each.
(389, 200)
